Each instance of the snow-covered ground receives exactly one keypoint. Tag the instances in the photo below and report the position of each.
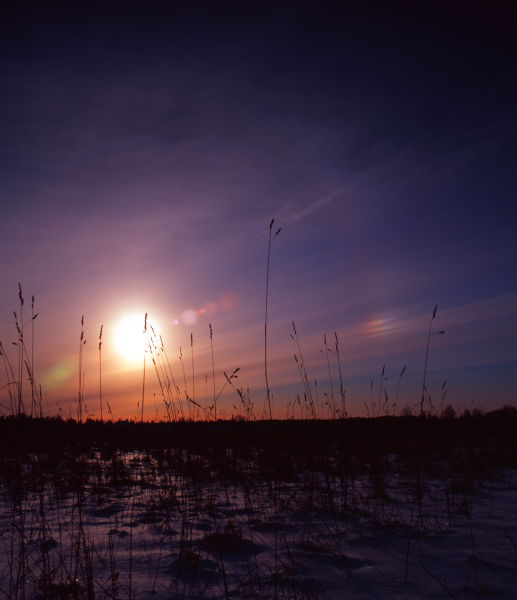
(129, 525)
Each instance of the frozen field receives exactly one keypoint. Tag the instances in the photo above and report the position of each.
(258, 522)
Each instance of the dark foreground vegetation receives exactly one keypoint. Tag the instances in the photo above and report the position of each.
(415, 506)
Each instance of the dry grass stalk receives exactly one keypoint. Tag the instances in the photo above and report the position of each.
(341, 388)
(213, 369)
(82, 342)
(270, 241)
(100, 371)
(300, 363)
(143, 373)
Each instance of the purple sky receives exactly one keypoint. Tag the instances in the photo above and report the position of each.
(143, 156)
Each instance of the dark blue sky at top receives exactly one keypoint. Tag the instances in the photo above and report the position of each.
(383, 141)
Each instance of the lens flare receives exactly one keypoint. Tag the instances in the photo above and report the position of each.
(189, 317)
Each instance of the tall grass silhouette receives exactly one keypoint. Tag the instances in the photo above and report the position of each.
(174, 401)
(271, 238)
(100, 372)
(424, 378)
(144, 368)
(80, 371)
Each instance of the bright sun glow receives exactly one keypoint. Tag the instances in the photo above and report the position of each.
(130, 340)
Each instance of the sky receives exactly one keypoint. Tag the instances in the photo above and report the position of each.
(145, 151)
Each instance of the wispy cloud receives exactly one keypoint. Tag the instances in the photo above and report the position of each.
(291, 213)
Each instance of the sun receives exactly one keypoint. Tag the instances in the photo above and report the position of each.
(131, 342)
